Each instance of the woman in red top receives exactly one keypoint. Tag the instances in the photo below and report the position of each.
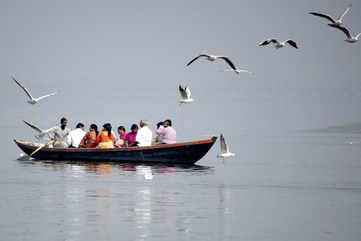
(105, 139)
(89, 140)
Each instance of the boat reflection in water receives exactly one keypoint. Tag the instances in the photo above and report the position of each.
(103, 168)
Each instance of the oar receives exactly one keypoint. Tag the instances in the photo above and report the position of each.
(41, 147)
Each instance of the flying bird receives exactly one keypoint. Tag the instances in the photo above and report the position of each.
(31, 100)
(278, 44)
(213, 58)
(41, 132)
(185, 94)
(224, 149)
(337, 22)
(350, 38)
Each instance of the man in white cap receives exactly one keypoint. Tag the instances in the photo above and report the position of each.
(144, 135)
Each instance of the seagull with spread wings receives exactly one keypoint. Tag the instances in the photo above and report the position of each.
(31, 100)
(333, 21)
(41, 132)
(213, 58)
(224, 149)
(185, 94)
(350, 38)
(278, 44)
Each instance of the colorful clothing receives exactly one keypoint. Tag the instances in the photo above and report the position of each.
(131, 138)
(105, 141)
(89, 140)
(168, 134)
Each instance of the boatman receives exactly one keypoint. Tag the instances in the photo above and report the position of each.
(60, 133)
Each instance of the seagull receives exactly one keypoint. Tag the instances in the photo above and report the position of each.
(185, 94)
(237, 70)
(337, 22)
(31, 100)
(350, 38)
(278, 44)
(224, 149)
(213, 58)
(41, 134)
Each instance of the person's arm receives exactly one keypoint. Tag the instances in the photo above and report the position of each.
(99, 137)
(160, 130)
(82, 142)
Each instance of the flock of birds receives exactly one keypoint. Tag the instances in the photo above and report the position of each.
(185, 91)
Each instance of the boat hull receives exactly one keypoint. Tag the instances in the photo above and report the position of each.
(180, 153)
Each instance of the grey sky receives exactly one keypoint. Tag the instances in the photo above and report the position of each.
(122, 61)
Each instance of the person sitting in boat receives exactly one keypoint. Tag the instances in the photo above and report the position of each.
(144, 135)
(130, 139)
(167, 132)
(89, 140)
(122, 134)
(158, 139)
(60, 133)
(105, 139)
(75, 136)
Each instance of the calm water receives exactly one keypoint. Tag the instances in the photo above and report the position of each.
(291, 186)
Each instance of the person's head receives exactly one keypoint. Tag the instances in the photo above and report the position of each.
(93, 127)
(121, 130)
(80, 125)
(167, 123)
(63, 123)
(108, 127)
(159, 124)
(143, 123)
(134, 128)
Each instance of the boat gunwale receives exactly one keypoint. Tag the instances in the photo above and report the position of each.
(123, 149)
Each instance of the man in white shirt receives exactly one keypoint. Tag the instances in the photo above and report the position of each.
(144, 135)
(76, 135)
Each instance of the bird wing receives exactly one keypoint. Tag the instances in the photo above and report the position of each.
(201, 55)
(188, 92)
(182, 92)
(343, 29)
(229, 62)
(266, 42)
(34, 127)
(292, 43)
(224, 148)
(323, 16)
(25, 89)
(358, 35)
(45, 96)
(343, 15)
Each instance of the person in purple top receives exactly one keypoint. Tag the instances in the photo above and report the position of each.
(167, 132)
(130, 138)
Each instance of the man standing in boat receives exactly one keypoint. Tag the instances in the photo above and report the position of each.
(60, 133)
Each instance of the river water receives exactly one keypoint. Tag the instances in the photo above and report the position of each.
(291, 186)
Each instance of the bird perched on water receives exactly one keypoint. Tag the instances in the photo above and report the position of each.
(224, 149)
(350, 38)
(31, 100)
(41, 132)
(213, 58)
(185, 94)
(278, 44)
(328, 17)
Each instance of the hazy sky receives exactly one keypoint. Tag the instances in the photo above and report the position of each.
(122, 61)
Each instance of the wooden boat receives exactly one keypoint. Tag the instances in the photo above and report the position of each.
(179, 153)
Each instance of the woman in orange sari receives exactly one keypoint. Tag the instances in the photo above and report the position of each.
(89, 140)
(105, 139)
